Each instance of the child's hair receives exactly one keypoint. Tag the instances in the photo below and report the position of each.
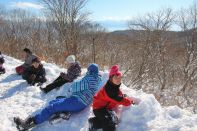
(27, 50)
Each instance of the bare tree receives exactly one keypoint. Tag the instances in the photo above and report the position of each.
(95, 33)
(188, 22)
(69, 17)
(153, 42)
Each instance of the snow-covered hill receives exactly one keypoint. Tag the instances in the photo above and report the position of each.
(19, 99)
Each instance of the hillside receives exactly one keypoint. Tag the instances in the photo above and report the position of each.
(19, 99)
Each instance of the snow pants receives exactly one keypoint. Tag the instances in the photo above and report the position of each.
(55, 84)
(72, 104)
(104, 119)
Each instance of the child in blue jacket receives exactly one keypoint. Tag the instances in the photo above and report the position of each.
(82, 95)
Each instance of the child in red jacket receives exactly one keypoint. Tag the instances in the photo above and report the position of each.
(106, 100)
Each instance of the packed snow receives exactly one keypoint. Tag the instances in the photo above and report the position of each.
(17, 98)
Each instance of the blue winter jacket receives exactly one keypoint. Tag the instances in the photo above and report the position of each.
(86, 88)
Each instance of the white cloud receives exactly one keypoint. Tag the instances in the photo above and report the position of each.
(25, 5)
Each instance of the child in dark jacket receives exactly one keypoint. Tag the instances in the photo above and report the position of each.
(29, 56)
(74, 70)
(35, 73)
(82, 95)
(108, 98)
(2, 69)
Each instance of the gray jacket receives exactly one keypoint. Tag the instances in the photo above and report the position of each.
(28, 60)
(73, 72)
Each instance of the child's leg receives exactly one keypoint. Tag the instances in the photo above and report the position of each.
(71, 104)
(105, 118)
(57, 83)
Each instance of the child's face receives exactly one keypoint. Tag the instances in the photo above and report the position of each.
(67, 64)
(116, 79)
(35, 64)
(24, 54)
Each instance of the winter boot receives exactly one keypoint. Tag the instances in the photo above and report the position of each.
(24, 125)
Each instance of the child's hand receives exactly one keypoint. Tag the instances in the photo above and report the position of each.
(124, 95)
(136, 101)
(62, 74)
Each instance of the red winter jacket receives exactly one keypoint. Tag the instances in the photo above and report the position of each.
(103, 100)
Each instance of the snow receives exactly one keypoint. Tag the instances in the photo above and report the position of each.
(19, 99)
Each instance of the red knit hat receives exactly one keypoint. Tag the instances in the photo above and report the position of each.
(115, 71)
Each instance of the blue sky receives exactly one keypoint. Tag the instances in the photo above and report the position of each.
(112, 14)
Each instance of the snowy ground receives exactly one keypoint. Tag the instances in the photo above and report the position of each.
(19, 99)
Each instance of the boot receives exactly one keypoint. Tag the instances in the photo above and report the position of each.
(24, 125)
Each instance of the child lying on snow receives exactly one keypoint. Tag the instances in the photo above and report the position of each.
(82, 95)
(74, 70)
(2, 69)
(108, 98)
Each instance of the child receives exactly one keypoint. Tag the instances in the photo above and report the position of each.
(2, 69)
(106, 100)
(35, 73)
(82, 95)
(74, 70)
(28, 61)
